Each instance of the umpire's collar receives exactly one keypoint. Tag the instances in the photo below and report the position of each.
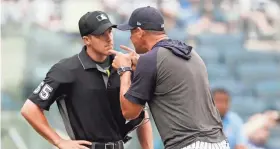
(86, 61)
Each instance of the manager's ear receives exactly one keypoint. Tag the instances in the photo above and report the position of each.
(139, 32)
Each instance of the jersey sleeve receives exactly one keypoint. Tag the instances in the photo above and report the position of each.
(144, 80)
(53, 86)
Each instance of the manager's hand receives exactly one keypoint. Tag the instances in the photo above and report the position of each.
(122, 59)
(133, 55)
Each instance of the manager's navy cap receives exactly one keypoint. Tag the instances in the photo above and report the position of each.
(147, 18)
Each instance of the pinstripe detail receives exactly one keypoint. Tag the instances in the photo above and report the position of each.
(216, 146)
(206, 145)
(223, 145)
(211, 145)
(197, 144)
(189, 147)
(201, 145)
(220, 145)
(192, 145)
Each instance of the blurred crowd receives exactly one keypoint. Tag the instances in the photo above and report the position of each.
(245, 83)
(252, 134)
(259, 19)
(255, 133)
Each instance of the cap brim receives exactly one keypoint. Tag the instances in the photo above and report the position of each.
(103, 28)
(124, 27)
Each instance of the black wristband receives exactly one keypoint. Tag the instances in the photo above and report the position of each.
(123, 69)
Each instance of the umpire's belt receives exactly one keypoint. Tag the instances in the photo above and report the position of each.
(108, 145)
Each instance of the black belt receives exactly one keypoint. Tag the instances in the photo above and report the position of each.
(109, 145)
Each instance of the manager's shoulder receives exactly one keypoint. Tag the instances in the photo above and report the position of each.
(149, 56)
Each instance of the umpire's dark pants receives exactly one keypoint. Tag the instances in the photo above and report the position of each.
(109, 145)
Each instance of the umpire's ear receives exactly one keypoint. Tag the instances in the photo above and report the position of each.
(86, 40)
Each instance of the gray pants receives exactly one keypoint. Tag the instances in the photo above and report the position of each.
(205, 145)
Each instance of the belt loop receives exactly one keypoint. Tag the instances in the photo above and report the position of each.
(109, 144)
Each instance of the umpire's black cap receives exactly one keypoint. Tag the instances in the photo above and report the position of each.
(95, 23)
(147, 18)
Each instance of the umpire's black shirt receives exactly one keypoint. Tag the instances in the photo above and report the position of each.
(88, 100)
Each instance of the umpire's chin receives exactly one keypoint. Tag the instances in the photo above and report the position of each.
(107, 50)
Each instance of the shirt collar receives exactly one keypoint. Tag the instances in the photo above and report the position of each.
(86, 61)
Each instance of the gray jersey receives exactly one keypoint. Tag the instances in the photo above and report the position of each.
(174, 81)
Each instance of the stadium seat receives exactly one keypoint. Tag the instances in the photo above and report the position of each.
(206, 39)
(231, 41)
(277, 104)
(209, 55)
(201, 48)
(273, 141)
(252, 73)
(275, 132)
(268, 89)
(234, 87)
(277, 56)
(217, 71)
(274, 103)
(218, 39)
(234, 57)
(223, 42)
(177, 34)
(247, 106)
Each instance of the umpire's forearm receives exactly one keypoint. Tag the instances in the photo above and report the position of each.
(36, 118)
(145, 133)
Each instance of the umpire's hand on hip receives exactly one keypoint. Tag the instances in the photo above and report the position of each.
(72, 144)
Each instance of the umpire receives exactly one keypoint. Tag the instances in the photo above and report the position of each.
(86, 89)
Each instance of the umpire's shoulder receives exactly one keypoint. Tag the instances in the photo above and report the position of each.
(63, 70)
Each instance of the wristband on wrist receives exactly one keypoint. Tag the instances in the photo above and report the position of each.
(123, 69)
